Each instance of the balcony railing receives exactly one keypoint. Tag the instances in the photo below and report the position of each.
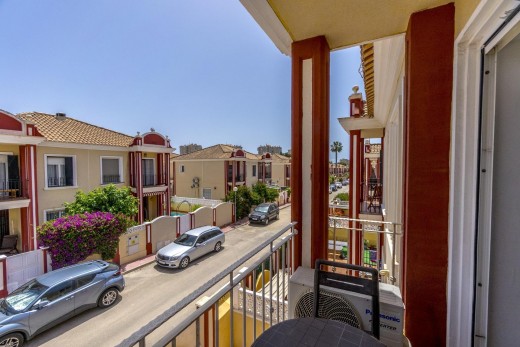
(59, 181)
(149, 180)
(239, 178)
(107, 179)
(10, 189)
(269, 306)
(371, 196)
(386, 260)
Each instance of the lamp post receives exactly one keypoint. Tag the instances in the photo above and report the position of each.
(235, 189)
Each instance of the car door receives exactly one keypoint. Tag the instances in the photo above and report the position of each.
(86, 294)
(212, 240)
(200, 246)
(59, 308)
(272, 212)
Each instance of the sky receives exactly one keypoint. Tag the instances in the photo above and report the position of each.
(199, 71)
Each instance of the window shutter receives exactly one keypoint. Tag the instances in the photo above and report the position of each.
(13, 172)
(69, 172)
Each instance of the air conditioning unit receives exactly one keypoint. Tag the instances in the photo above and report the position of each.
(351, 308)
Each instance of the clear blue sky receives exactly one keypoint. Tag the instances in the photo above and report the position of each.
(199, 71)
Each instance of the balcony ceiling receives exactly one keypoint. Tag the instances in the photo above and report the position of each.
(343, 22)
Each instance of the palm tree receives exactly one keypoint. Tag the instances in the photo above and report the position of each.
(336, 147)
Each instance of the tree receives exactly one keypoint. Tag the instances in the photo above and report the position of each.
(244, 198)
(336, 147)
(265, 193)
(108, 198)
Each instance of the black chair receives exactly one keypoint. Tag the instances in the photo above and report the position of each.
(350, 283)
(9, 243)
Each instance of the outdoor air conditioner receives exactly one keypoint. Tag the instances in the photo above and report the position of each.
(351, 308)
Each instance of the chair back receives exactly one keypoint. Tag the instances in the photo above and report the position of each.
(356, 284)
(9, 241)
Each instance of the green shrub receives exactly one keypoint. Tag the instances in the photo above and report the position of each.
(342, 196)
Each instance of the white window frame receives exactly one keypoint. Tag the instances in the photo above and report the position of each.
(60, 209)
(74, 170)
(207, 189)
(121, 177)
(254, 170)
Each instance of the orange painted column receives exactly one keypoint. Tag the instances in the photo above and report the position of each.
(428, 93)
(318, 50)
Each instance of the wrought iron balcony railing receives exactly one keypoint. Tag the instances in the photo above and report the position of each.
(59, 181)
(10, 189)
(111, 179)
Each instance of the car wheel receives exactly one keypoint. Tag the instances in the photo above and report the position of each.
(184, 262)
(12, 340)
(218, 247)
(266, 221)
(108, 298)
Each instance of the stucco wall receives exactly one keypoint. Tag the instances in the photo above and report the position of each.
(278, 174)
(164, 231)
(224, 213)
(210, 174)
(203, 216)
(132, 246)
(87, 173)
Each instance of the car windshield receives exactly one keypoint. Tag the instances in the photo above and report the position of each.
(186, 240)
(262, 208)
(24, 296)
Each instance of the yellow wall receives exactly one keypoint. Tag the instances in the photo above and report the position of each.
(250, 179)
(210, 174)
(463, 11)
(14, 149)
(203, 216)
(278, 174)
(87, 171)
(124, 246)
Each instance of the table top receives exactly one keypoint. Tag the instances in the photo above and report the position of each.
(315, 332)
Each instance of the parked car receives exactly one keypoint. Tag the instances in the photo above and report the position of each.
(345, 182)
(339, 185)
(263, 213)
(330, 190)
(333, 187)
(56, 296)
(189, 246)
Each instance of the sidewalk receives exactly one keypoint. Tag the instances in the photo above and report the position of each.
(139, 263)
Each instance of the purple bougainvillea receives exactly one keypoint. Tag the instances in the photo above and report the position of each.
(71, 239)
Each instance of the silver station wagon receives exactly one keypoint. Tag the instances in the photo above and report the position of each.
(56, 296)
(189, 246)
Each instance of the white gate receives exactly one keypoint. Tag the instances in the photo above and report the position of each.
(185, 223)
(21, 268)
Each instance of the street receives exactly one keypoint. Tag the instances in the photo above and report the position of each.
(151, 290)
(343, 189)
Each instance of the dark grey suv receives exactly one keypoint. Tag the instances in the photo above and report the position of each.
(263, 213)
(51, 298)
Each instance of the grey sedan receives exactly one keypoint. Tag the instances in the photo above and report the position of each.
(189, 246)
(56, 296)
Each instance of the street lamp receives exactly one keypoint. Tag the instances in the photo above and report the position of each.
(235, 189)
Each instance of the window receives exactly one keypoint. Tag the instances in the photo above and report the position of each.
(54, 214)
(84, 280)
(254, 170)
(60, 171)
(182, 168)
(148, 171)
(58, 291)
(111, 170)
(206, 193)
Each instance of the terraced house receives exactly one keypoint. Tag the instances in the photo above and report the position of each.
(212, 172)
(45, 159)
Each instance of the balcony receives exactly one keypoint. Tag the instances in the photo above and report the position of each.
(371, 197)
(240, 178)
(10, 189)
(254, 289)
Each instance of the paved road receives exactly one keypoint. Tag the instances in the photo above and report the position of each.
(151, 290)
(343, 189)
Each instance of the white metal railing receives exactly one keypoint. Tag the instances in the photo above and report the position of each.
(279, 249)
(195, 201)
(393, 236)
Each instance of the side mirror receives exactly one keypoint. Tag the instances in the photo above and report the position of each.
(41, 304)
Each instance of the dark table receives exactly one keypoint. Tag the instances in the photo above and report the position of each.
(315, 332)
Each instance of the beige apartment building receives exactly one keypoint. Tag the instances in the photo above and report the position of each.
(46, 159)
(212, 172)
